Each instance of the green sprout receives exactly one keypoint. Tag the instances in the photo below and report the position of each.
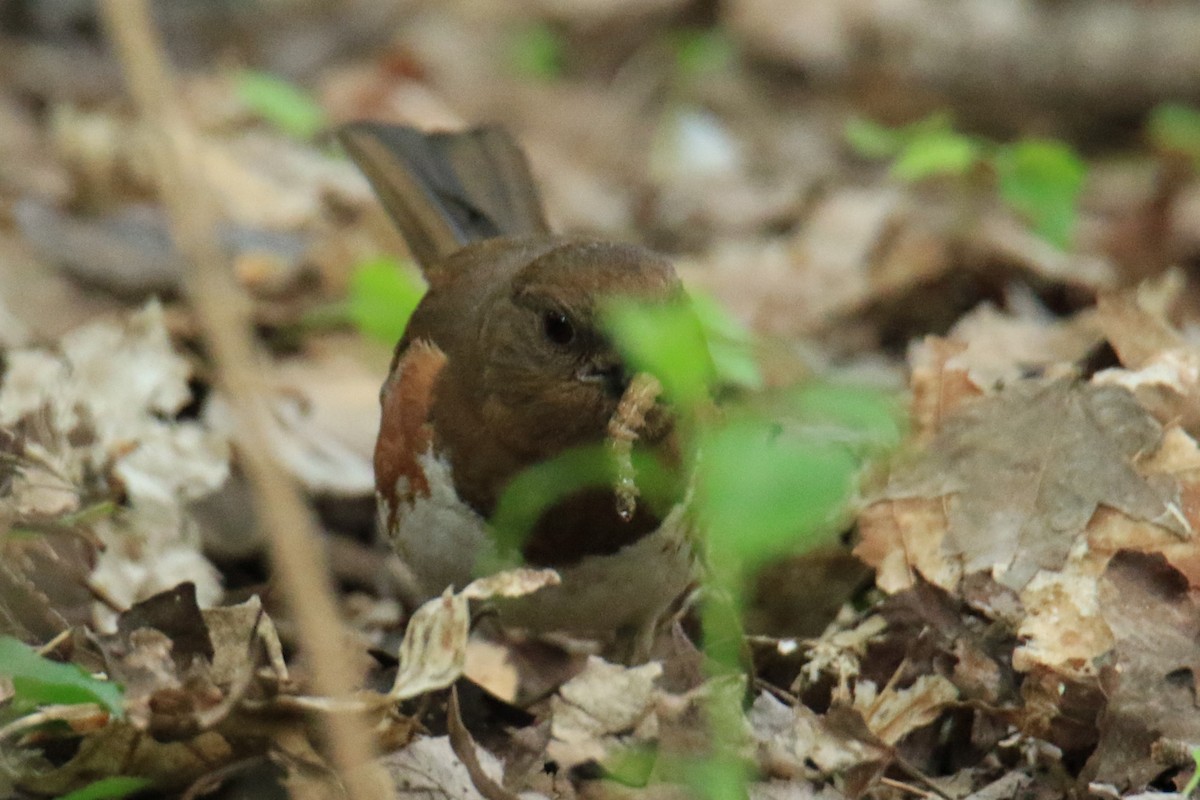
(700, 52)
(537, 52)
(282, 104)
(770, 476)
(1040, 179)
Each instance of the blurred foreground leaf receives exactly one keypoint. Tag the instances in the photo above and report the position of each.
(40, 681)
(383, 295)
(763, 492)
(730, 345)
(666, 340)
(282, 104)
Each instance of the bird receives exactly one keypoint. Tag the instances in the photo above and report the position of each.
(505, 365)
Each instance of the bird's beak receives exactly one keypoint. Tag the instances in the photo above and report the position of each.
(607, 371)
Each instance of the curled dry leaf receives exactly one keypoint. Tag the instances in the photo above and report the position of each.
(894, 713)
(434, 651)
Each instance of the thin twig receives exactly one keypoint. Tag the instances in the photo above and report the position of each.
(905, 787)
(464, 747)
(224, 317)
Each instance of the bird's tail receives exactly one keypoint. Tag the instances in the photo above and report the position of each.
(446, 190)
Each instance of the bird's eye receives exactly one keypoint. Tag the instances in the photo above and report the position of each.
(558, 328)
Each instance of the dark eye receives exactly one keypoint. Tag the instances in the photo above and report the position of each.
(558, 328)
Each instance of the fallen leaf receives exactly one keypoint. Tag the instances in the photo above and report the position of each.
(1022, 473)
(1150, 682)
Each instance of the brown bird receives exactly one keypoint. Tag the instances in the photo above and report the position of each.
(504, 365)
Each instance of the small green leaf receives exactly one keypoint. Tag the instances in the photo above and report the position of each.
(108, 789)
(934, 153)
(702, 52)
(1042, 181)
(282, 104)
(543, 485)
(537, 52)
(666, 340)
(383, 294)
(872, 140)
(41, 681)
(1175, 128)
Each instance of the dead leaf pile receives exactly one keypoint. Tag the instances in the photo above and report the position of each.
(1059, 512)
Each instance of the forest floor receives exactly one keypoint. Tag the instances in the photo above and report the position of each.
(999, 227)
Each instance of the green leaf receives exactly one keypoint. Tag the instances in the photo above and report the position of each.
(666, 340)
(383, 294)
(280, 103)
(41, 681)
(537, 52)
(764, 491)
(702, 52)
(108, 788)
(1176, 128)
(543, 485)
(1042, 181)
(936, 152)
(872, 140)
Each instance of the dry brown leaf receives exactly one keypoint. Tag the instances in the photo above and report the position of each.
(592, 710)
(1000, 348)
(794, 742)
(938, 386)
(123, 749)
(1150, 684)
(894, 713)
(1023, 472)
